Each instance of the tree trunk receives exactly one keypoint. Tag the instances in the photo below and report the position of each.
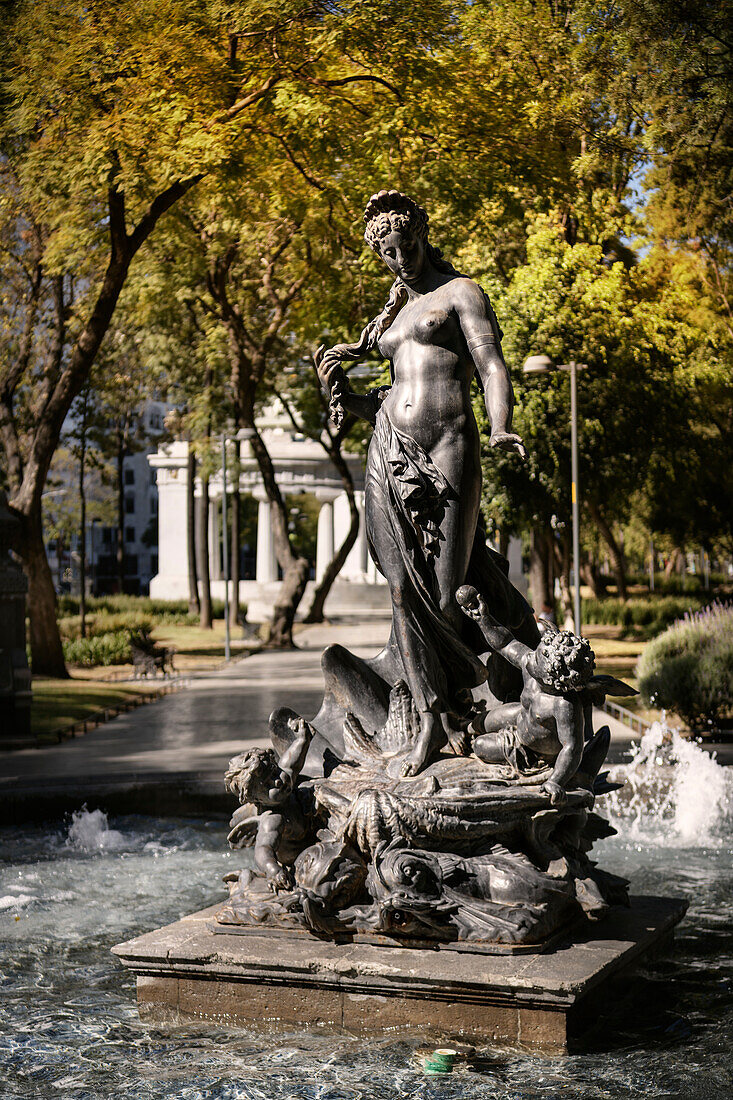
(550, 541)
(120, 554)
(334, 567)
(589, 575)
(234, 550)
(47, 653)
(295, 568)
(617, 555)
(194, 603)
(59, 568)
(82, 536)
(538, 569)
(206, 617)
(561, 549)
(673, 562)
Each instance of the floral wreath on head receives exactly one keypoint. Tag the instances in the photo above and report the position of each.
(393, 211)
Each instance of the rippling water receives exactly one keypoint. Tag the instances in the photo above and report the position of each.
(69, 1025)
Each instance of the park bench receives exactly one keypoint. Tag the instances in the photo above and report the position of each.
(148, 659)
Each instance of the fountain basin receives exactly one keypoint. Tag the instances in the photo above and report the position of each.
(196, 970)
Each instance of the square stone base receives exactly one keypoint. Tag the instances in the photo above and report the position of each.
(541, 1002)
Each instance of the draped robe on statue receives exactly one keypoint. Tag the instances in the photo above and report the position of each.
(405, 497)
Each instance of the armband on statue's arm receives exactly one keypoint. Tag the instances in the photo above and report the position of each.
(481, 340)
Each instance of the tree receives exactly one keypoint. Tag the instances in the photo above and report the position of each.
(106, 123)
(628, 328)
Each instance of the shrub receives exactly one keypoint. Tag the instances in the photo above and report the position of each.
(170, 612)
(689, 668)
(112, 648)
(105, 622)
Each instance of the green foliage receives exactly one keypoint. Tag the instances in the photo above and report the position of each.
(103, 649)
(104, 622)
(689, 668)
(650, 614)
(115, 608)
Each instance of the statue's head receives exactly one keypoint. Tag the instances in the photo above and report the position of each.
(563, 661)
(397, 230)
(255, 776)
(407, 891)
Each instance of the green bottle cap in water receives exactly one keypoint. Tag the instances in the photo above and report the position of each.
(440, 1061)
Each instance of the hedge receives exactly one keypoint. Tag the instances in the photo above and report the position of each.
(651, 614)
(172, 612)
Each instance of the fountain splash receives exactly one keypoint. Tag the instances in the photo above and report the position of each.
(89, 831)
(674, 794)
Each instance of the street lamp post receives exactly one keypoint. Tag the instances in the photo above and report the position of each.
(239, 437)
(92, 557)
(225, 547)
(542, 364)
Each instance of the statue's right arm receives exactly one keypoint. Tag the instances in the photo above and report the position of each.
(331, 374)
(268, 835)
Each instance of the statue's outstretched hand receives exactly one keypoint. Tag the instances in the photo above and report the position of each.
(508, 441)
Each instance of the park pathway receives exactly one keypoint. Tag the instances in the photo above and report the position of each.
(169, 757)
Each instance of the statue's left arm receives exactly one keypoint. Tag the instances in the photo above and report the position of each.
(481, 332)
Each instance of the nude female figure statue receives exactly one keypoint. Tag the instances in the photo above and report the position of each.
(423, 482)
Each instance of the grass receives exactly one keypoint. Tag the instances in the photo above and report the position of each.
(59, 704)
(617, 655)
(198, 649)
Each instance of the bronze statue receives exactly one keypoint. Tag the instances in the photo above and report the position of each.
(423, 484)
(444, 790)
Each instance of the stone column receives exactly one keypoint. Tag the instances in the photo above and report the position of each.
(356, 564)
(171, 580)
(266, 558)
(215, 539)
(324, 540)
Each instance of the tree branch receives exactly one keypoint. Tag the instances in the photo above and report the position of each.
(160, 204)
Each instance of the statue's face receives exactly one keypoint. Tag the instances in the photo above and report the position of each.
(404, 254)
(537, 665)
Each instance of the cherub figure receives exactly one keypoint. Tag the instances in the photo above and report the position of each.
(551, 719)
(276, 815)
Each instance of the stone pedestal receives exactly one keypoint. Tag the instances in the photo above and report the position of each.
(539, 1002)
(15, 676)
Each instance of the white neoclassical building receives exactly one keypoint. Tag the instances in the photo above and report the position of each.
(301, 466)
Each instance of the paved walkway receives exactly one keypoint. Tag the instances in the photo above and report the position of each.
(170, 756)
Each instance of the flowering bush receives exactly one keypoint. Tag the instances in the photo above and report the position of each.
(689, 668)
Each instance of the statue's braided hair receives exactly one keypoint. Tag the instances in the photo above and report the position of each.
(388, 212)
(568, 661)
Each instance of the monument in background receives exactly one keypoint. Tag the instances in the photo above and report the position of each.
(301, 466)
